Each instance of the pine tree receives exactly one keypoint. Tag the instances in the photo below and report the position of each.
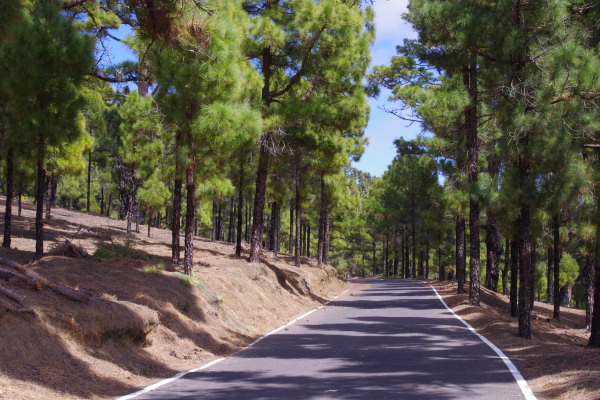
(46, 61)
(294, 43)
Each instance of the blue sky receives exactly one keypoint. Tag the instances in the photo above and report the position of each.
(383, 128)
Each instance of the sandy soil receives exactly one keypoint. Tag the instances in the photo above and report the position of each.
(140, 326)
(555, 362)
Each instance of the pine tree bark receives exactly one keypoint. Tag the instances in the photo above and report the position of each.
(238, 245)
(308, 238)
(460, 253)
(589, 287)
(271, 228)
(230, 227)
(441, 269)
(414, 235)
(277, 238)
(20, 194)
(215, 222)
(494, 250)
(396, 256)
(594, 340)
(291, 245)
(176, 224)
(220, 223)
(470, 80)
(386, 256)
(9, 196)
(506, 268)
(259, 205)
(374, 260)
(407, 259)
(525, 265)
(550, 276)
(188, 260)
(298, 216)
(326, 237)
(102, 199)
(514, 278)
(533, 262)
(48, 197)
(427, 261)
(39, 211)
(557, 257)
(321, 224)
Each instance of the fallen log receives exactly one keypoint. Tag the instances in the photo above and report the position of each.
(12, 295)
(39, 281)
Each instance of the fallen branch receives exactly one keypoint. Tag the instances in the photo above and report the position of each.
(39, 281)
(12, 295)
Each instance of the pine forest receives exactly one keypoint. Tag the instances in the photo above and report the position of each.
(240, 122)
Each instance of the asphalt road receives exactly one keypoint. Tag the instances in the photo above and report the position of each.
(394, 340)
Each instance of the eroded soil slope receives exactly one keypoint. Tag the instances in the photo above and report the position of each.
(143, 323)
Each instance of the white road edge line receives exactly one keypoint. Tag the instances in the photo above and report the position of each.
(527, 392)
(210, 364)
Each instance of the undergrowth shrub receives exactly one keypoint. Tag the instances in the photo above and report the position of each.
(118, 250)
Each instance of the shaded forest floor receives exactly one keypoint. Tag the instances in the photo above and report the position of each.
(555, 361)
(143, 323)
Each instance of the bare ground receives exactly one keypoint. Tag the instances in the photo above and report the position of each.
(555, 362)
(140, 326)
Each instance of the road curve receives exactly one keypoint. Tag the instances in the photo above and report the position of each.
(392, 340)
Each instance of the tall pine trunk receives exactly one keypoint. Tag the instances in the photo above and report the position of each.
(407, 259)
(414, 236)
(494, 250)
(557, 256)
(48, 197)
(298, 217)
(374, 260)
(441, 269)
(291, 244)
(176, 224)
(20, 195)
(39, 209)
(276, 231)
(589, 286)
(213, 236)
(595, 331)
(460, 254)
(396, 255)
(506, 268)
(470, 80)
(321, 223)
(427, 261)
(308, 238)
(525, 265)
(230, 227)
(9, 196)
(326, 237)
(514, 278)
(188, 258)
(238, 245)
(550, 276)
(259, 205)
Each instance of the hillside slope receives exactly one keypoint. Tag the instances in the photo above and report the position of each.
(143, 323)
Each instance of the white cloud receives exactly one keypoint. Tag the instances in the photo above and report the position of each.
(383, 128)
(389, 24)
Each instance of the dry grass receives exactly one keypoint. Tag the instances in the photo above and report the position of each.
(143, 323)
(555, 361)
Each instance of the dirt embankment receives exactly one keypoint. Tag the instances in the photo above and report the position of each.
(555, 362)
(143, 323)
